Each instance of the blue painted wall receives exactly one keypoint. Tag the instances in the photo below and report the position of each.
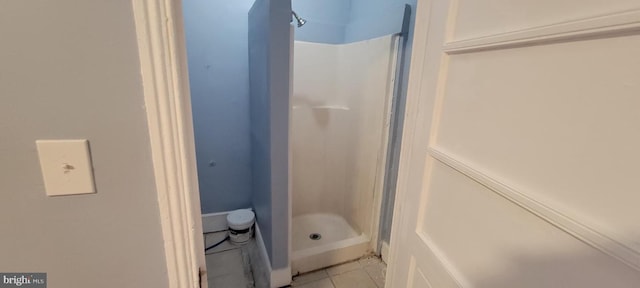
(374, 18)
(216, 34)
(217, 45)
(342, 21)
(326, 20)
(269, 80)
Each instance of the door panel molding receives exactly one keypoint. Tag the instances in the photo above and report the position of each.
(441, 272)
(415, 253)
(420, 280)
(588, 28)
(608, 244)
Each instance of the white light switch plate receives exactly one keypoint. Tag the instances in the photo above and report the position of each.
(66, 167)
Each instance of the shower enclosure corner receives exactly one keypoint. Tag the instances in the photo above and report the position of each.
(340, 113)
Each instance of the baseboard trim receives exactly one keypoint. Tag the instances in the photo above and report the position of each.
(281, 277)
(384, 252)
(214, 222)
(278, 278)
(263, 249)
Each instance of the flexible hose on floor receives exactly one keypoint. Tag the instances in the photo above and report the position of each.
(217, 244)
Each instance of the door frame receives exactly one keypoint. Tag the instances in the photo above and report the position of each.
(163, 63)
(415, 138)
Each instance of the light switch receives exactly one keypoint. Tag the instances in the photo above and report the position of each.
(66, 167)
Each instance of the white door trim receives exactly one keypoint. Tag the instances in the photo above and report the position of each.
(415, 138)
(162, 52)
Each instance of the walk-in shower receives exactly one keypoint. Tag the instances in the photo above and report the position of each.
(339, 128)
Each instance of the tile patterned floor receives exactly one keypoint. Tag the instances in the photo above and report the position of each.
(230, 266)
(365, 273)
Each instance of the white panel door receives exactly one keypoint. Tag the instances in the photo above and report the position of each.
(521, 146)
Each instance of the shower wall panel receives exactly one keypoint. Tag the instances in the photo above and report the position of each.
(366, 81)
(340, 114)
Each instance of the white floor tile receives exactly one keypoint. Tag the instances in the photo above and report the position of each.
(353, 279)
(230, 266)
(377, 272)
(324, 283)
(259, 271)
(309, 277)
(227, 262)
(369, 260)
(335, 270)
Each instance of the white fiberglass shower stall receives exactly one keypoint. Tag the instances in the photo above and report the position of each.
(340, 113)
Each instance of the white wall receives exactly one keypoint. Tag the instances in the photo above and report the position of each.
(320, 118)
(367, 77)
(70, 70)
(340, 100)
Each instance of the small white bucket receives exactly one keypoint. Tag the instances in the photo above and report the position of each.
(240, 226)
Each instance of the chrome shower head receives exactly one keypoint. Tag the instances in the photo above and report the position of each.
(298, 19)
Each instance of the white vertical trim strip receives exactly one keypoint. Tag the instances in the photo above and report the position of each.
(263, 251)
(384, 252)
(290, 156)
(381, 163)
(164, 76)
(413, 136)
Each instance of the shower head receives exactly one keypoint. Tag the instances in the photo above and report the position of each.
(298, 19)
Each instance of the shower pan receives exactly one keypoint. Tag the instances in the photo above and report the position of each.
(340, 115)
